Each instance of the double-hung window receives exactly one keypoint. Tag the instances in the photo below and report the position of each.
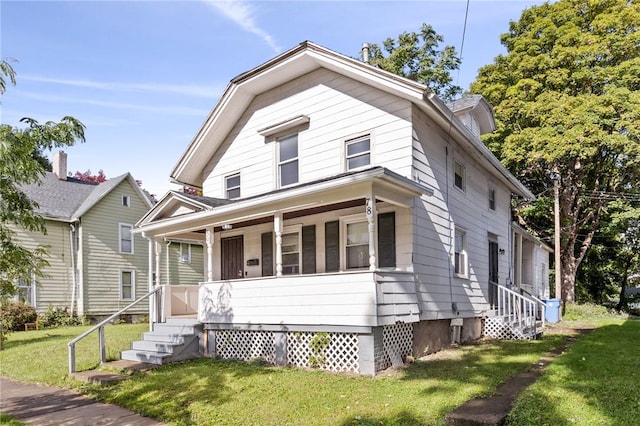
(288, 160)
(358, 152)
(127, 288)
(232, 186)
(126, 238)
(460, 253)
(291, 253)
(357, 247)
(492, 198)
(185, 253)
(458, 175)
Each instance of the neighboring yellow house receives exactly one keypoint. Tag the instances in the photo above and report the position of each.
(96, 264)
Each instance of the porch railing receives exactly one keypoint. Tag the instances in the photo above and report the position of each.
(518, 309)
(100, 327)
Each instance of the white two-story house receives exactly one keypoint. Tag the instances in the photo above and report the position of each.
(349, 217)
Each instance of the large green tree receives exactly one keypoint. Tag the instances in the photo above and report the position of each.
(20, 165)
(567, 103)
(418, 56)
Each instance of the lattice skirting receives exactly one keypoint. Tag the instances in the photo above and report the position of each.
(397, 342)
(326, 351)
(245, 345)
(497, 328)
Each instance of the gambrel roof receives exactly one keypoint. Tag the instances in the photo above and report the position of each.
(69, 199)
(300, 60)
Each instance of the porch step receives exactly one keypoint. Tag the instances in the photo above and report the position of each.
(171, 341)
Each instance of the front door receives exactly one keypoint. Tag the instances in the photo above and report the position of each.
(493, 273)
(232, 258)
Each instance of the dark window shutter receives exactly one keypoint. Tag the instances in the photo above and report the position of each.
(332, 246)
(387, 240)
(267, 254)
(309, 249)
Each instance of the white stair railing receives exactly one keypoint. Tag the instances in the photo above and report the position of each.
(517, 309)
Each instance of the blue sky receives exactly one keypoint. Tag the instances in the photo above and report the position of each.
(143, 75)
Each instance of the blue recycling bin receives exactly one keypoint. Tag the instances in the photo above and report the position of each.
(552, 312)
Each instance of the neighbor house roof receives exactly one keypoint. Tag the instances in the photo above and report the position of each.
(300, 60)
(68, 200)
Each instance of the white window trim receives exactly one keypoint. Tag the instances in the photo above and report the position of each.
(133, 284)
(120, 225)
(126, 200)
(354, 139)
(185, 257)
(464, 174)
(344, 221)
(292, 229)
(492, 189)
(227, 188)
(279, 163)
(464, 252)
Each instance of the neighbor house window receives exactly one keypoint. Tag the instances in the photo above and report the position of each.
(126, 201)
(185, 253)
(26, 291)
(358, 152)
(291, 253)
(288, 160)
(232, 186)
(126, 238)
(357, 247)
(127, 290)
(460, 253)
(492, 198)
(458, 175)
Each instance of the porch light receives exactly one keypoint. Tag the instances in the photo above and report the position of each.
(228, 226)
(501, 251)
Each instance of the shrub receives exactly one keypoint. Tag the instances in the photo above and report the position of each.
(14, 315)
(55, 317)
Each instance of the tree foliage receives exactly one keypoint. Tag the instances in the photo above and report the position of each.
(417, 56)
(90, 177)
(19, 166)
(567, 103)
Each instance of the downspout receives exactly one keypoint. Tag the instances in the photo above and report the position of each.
(72, 248)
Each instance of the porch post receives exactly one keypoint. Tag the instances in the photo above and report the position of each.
(158, 315)
(518, 259)
(150, 279)
(209, 262)
(371, 214)
(277, 228)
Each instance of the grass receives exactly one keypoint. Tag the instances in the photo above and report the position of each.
(593, 383)
(9, 421)
(40, 356)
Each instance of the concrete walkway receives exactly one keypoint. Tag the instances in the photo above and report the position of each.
(46, 405)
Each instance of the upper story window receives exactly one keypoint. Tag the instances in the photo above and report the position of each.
(126, 238)
(459, 175)
(126, 201)
(288, 160)
(358, 152)
(232, 186)
(492, 198)
(460, 253)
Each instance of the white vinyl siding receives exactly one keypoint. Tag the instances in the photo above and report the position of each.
(127, 284)
(126, 238)
(337, 107)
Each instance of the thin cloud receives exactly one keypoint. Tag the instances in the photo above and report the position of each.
(241, 12)
(189, 90)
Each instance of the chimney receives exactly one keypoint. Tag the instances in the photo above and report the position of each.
(60, 165)
(365, 53)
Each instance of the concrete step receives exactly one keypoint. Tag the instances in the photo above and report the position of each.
(172, 328)
(154, 346)
(149, 357)
(182, 321)
(162, 337)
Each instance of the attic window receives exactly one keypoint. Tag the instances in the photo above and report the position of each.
(126, 201)
(284, 126)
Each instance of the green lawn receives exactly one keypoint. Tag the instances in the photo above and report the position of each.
(594, 383)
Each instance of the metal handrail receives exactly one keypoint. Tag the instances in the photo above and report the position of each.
(100, 326)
